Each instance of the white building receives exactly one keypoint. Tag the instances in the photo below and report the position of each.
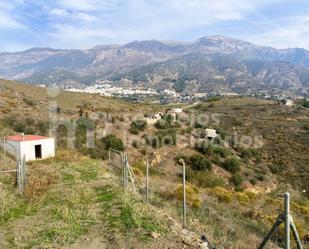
(174, 111)
(152, 119)
(31, 146)
(210, 133)
(288, 102)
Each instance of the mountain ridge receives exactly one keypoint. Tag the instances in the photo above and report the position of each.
(109, 62)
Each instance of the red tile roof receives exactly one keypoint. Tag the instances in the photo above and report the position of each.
(20, 138)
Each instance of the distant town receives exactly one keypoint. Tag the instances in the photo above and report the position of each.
(170, 96)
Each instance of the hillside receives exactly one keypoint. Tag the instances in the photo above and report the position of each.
(234, 190)
(210, 61)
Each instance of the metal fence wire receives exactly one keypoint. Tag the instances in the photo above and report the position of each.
(11, 164)
(116, 164)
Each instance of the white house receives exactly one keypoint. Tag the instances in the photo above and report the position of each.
(152, 119)
(31, 146)
(174, 112)
(288, 102)
(210, 133)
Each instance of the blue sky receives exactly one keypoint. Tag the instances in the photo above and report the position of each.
(86, 23)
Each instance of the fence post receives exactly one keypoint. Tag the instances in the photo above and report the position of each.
(287, 220)
(4, 153)
(184, 202)
(147, 180)
(295, 234)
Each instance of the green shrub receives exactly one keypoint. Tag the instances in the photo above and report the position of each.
(29, 130)
(42, 127)
(29, 101)
(237, 180)
(167, 122)
(139, 125)
(232, 165)
(30, 121)
(97, 153)
(204, 179)
(199, 163)
(203, 146)
(9, 121)
(162, 137)
(306, 103)
(135, 144)
(222, 152)
(112, 142)
(222, 133)
(19, 126)
(249, 153)
(133, 130)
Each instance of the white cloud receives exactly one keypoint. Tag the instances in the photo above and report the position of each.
(59, 12)
(293, 33)
(87, 5)
(7, 20)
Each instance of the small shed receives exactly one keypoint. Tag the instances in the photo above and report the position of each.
(153, 118)
(174, 111)
(31, 146)
(210, 133)
(288, 102)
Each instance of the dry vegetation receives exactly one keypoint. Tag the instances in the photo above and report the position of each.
(234, 192)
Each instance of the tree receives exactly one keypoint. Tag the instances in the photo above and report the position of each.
(112, 142)
(199, 163)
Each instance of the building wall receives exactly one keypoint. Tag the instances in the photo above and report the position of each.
(27, 148)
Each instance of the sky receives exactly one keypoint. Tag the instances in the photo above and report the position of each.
(82, 24)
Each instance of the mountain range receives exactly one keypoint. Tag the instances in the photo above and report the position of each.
(208, 64)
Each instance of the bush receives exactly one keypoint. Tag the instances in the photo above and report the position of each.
(43, 127)
(249, 153)
(162, 137)
(232, 165)
(139, 125)
(306, 103)
(135, 144)
(203, 146)
(30, 121)
(20, 127)
(29, 130)
(204, 179)
(222, 152)
(199, 163)
(192, 195)
(29, 101)
(222, 194)
(134, 130)
(237, 180)
(112, 142)
(167, 122)
(97, 153)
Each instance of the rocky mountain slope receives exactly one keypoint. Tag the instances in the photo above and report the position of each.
(213, 61)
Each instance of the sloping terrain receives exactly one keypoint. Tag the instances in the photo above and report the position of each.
(234, 190)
